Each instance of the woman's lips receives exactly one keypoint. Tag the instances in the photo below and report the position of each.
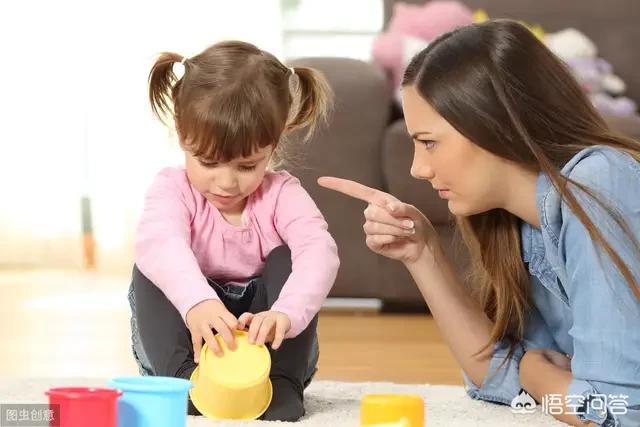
(444, 193)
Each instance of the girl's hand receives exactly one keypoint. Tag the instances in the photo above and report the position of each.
(204, 316)
(267, 326)
(393, 229)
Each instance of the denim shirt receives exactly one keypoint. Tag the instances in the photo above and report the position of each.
(582, 306)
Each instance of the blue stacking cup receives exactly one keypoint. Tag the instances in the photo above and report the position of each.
(152, 401)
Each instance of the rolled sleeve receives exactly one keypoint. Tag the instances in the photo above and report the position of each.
(584, 396)
(502, 383)
(579, 394)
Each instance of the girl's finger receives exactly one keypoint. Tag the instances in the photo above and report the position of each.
(230, 320)
(196, 340)
(255, 328)
(210, 339)
(265, 330)
(279, 335)
(227, 335)
(244, 320)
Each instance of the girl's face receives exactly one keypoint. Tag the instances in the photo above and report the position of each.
(470, 178)
(227, 185)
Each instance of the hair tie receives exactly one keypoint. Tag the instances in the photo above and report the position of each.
(179, 68)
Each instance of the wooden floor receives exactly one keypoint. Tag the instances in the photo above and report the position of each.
(63, 323)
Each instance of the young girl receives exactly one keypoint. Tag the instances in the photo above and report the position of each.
(225, 243)
(547, 199)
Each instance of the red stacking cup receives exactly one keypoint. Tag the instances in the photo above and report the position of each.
(84, 406)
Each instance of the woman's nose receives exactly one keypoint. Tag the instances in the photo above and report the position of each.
(421, 169)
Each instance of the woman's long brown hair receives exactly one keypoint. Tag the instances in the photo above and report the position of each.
(501, 88)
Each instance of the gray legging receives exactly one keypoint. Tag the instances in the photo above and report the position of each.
(162, 342)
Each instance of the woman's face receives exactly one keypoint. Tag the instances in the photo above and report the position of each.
(469, 177)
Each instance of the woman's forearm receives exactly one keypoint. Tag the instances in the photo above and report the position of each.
(462, 322)
(540, 377)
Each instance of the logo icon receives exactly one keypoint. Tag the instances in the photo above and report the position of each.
(523, 403)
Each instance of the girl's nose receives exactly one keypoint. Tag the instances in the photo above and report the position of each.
(226, 181)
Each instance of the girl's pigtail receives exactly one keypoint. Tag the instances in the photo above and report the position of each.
(164, 84)
(311, 100)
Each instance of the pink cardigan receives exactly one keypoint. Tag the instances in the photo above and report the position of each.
(182, 239)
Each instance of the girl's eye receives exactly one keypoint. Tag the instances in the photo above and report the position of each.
(248, 168)
(428, 143)
(207, 165)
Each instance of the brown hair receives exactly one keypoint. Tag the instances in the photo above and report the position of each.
(501, 88)
(235, 98)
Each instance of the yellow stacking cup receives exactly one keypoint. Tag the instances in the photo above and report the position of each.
(235, 386)
(404, 410)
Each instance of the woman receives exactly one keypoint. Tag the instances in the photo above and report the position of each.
(547, 199)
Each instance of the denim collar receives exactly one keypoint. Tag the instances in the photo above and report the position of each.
(532, 242)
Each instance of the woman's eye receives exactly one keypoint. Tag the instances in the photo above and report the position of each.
(247, 168)
(428, 143)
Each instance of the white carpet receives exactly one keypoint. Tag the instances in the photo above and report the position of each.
(329, 403)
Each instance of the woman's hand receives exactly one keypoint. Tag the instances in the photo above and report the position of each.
(545, 372)
(393, 229)
(267, 326)
(540, 368)
(204, 316)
